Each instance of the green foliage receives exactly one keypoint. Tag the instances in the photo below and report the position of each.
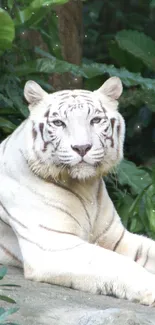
(119, 40)
(139, 45)
(152, 3)
(36, 8)
(27, 17)
(3, 312)
(52, 65)
(133, 192)
(7, 30)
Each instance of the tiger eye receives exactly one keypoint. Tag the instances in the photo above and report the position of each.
(59, 123)
(95, 120)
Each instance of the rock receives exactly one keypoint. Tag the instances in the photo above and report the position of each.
(45, 304)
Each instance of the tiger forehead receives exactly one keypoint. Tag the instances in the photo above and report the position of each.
(72, 93)
(73, 100)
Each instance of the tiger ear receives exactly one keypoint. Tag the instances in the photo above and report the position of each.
(33, 92)
(112, 88)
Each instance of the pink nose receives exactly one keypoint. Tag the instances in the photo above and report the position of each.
(82, 150)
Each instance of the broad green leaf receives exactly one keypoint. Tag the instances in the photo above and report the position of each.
(150, 205)
(5, 102)
(141, 211)
(48, 66)
(15, 95)
(9, 285)
(123, 205)
(124, 58)
(136, 178)
(3, 271)
(152, 3)
(37, 4)
(139, 45)
(7, 313)
(136, 201)
(10, 3)
(135, 225)
(7, 125)
(7, 30)
(51, 37)
(43, 53)
(151, 213)
(9, 111)
(43, 6)
(7, 299)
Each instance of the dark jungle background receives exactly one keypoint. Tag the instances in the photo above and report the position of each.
(72, 44)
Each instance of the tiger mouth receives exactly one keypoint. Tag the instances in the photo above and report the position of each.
(81, 163)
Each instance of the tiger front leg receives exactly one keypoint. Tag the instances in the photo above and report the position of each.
(111, 234)
(71, 262)
(139, 248)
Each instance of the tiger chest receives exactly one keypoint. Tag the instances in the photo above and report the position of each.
(72, 212)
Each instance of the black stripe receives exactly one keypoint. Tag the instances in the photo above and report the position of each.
(138, 253)
(68, 213)
(47, 113)
(118, 137)
(46, 143)
(16, 132)
(57, 231)
(112, 120)
(11, 217)
(77, 196)
(55, 114)
(49, 250)
(5, 144)
(88, 111)
(119, 240)
(103, 109)
(147, 257)
(41, 127)
(4, 222)
(98, 198)
(106, 129)
(52, 205)
(118, 130)
(110, 223)
(9, 253)
(34, 132)
(57, 144)
(107, 227)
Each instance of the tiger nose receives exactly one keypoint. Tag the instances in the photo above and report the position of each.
(82, 150)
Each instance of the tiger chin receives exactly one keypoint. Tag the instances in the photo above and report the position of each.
(57, 220)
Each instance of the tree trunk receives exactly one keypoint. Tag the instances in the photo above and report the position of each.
(70, 28)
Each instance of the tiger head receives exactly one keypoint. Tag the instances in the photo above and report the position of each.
(77, 132)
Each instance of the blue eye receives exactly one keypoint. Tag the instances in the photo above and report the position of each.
(95, 120)
(59, 123)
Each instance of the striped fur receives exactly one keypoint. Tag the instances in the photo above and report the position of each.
(56, 218)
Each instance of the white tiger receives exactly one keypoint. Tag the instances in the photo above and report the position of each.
(56, 218)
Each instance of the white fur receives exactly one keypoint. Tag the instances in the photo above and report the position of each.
(62, 224)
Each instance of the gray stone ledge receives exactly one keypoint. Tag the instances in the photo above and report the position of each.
(44, 304)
